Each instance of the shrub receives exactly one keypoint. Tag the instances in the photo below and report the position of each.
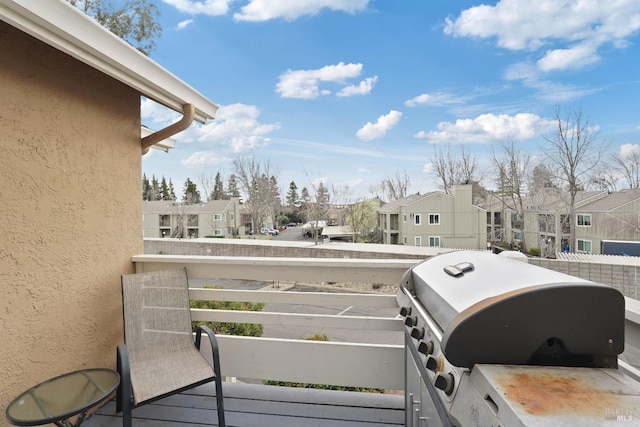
(534, 251)
(225, 328)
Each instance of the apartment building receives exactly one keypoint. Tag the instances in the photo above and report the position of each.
(545, 222)
(435, 219)
(217, 218)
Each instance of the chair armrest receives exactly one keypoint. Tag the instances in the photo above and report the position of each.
(214, 346)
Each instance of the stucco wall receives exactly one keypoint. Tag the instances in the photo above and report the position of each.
(70, 211)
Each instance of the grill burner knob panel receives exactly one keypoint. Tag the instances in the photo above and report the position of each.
(405, 311)
(425, 347)
(417, 333)
(444, 382)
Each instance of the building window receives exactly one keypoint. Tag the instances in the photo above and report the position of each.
(418, 241)
(404, 240)
(583, 220)
(193, 233)
(434, 241)
(584, 246)
(416, 219)
(217, 217)
(497, 218)
(404, 217)
(165, 232)
(192, 220)
(434, 219)
(231, 217)
(517, 235)
(217, 232)
(165, 221)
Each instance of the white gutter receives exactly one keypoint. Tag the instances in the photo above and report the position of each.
(62, 26)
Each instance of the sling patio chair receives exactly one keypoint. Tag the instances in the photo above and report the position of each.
(159, 356)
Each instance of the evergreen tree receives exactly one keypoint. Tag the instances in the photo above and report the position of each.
(155, 189)
(146, 188)
(164, 190)
(292, 196)
(305, 198)
(191, 194)
(322, 199)
(218, 189)
(172, 192)
(232, 186)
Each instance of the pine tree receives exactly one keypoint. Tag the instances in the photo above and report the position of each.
(292, 196)
(172, 192)
(155, 189)
(191, 194)
(146, 188)
(232, 186)
(164, 190)
(218, 189)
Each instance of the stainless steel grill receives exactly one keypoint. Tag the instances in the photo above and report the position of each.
(484, 334)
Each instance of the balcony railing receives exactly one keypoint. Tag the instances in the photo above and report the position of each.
(364, 361)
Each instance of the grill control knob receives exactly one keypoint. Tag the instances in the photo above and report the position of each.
(445, 382)
(417, 333)
(405, 311)
(432, 363)
(425, 347)
(411, 321)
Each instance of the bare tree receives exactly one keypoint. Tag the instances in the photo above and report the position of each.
(451, 168)
(395, 187)
(573, 151)
(340, 201)
(628, 165)
(254, 179)
(512, 169)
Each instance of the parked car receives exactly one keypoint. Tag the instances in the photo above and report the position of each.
(269, 231)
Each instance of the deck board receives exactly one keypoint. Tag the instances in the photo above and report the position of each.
(257, 405)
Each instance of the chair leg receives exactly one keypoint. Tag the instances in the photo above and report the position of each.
(123, 395)
(219, 401)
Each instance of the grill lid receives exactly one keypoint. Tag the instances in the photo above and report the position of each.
(496, 310)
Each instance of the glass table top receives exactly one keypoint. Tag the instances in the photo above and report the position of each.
(63, 397)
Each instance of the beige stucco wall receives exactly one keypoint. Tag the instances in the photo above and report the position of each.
(70, 211)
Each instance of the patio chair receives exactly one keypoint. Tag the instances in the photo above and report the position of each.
(159, 357)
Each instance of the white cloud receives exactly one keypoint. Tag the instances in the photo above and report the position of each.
(201, 7)
(488, 128)
(304, 84)
(577, 28)
(364, 88)
(264, 10)
(436, 99)
(156, 116)
(629, 150)
(204, 158)
(552, 92)
(237, 127)
(380, 127)
(362, 170)
(184, 24)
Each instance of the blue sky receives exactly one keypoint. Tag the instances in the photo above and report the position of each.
(352, 91)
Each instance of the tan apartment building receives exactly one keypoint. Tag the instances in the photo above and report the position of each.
(435, 219)
(545, 223)
(70, 174)
(215, 218)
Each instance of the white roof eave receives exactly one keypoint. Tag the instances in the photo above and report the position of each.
(62, 26)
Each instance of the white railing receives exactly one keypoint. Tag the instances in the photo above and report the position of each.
(359, 364)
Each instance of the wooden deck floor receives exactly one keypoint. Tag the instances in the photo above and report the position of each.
(257, 405)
